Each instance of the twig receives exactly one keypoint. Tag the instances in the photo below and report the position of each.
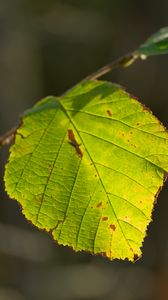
(123, 61)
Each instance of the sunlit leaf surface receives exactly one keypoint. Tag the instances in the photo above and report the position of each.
(87, 168)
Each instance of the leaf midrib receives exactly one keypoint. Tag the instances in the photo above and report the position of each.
(72, 122)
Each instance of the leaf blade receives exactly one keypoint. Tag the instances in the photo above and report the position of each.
(100, 201)
(156, 44)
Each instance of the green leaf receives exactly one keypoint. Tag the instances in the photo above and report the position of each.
(156, 44)
(87, 168)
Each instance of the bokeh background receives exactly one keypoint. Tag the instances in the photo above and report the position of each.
(47, 46)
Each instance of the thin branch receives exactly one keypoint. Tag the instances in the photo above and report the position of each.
(123, 61)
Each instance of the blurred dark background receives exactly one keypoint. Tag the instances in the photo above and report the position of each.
(46, 46)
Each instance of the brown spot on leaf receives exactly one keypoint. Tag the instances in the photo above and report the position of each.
(109, 112)
(104, 218)
(99, 204)
(74, 143)
(113, 227)
(71, 135)
(136, 257)
(103, 254)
